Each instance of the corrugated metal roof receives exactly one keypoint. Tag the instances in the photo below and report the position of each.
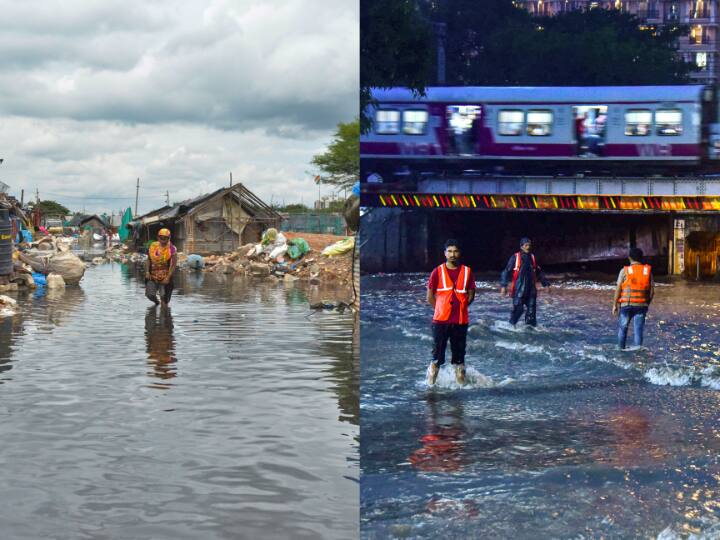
(250, 203)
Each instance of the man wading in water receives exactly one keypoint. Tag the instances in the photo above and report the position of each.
(451, 290)
(633, 294)
(159, 268)
(525, 273)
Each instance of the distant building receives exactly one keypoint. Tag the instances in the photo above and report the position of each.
(700, 48)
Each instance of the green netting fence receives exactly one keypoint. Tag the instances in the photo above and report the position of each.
(314, 223)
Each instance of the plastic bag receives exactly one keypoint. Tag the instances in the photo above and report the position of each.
(69, 266)
(297, 247)
(339, 248)
(39, 279)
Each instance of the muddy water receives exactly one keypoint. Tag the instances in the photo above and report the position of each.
(233, 415)
(557, 434)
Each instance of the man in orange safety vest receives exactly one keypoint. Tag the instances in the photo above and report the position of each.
(633, 294)
(522, 273)
(450, 291)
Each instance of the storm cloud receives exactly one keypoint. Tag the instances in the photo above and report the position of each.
(96, 94)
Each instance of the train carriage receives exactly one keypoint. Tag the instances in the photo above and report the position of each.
(529, 130)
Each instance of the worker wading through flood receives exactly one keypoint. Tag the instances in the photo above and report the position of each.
(522, 272)
(633, 294)
(450, 291)
(159, 269)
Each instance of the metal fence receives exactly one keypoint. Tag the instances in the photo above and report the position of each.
(314, 223)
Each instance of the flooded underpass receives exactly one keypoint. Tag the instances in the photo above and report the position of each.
(232, 415)
(557, 434)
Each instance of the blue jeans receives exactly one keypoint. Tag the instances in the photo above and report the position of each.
(637, 315)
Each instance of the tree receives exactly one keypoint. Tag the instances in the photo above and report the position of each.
(294, 208)
(494, 43)
(340, 163)
(603, 47)
(396, 48)
(474, 56)
(52, 208)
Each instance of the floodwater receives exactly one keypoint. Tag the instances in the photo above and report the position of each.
(557, 434)
(233, 415)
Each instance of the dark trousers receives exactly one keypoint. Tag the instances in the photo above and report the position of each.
(457, 334)
(153, 288)
(528, 303)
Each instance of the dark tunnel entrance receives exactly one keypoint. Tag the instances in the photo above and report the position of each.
(564, 242)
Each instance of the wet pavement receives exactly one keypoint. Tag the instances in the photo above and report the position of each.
(557, 434)
(232, 415)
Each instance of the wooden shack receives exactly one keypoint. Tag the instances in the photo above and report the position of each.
(213, 223)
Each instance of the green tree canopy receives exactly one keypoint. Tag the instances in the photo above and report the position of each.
(396, 48)
(495, 43)
(295, 208)
(340, 163)
(52, 208)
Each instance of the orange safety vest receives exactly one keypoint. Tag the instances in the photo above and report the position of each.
(447, 290)
(516, 270)
(635, 290)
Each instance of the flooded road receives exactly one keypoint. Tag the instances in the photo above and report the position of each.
(557, 434)
(233, 415)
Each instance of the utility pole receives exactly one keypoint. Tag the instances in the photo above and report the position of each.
(440, 30)
(22, 197)
(230, 178)
(137, 193)
(167, 198)
(37, 196)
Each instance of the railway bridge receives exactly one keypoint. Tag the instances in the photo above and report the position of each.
(577, 223)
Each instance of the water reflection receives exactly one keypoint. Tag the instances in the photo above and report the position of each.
(443, 444)
(257, 439)
(567, 437)
(160, 346)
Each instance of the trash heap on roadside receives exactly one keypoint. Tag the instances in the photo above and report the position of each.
(47, 262)
(312, 258)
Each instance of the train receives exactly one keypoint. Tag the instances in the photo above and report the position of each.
(614, 130)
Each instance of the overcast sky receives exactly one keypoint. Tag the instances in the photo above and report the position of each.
(94, 94)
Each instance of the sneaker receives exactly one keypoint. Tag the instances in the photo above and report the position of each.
(460, 373)
(434, 370)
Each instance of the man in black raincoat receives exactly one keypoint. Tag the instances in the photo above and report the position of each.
(521, 273)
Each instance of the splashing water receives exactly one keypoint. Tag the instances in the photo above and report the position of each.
(557, 433)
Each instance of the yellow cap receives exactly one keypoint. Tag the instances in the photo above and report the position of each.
(164, 232)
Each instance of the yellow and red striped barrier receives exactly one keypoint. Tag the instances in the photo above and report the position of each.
(544, 202)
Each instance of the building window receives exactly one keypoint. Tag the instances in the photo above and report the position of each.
(638, 122)
(510, 123)
(699, 9)
(668, 122)
(539, 123)
(697, 35)
(701, 61)
(387, 121)
(415, 122)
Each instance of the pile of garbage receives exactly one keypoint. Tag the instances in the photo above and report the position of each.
(8, 306)
(287, 256)
(49, 257)
(120, 253)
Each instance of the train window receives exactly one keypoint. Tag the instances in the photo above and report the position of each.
(638, 122)
(510, 122)
(415, 122)
(668, 122)
(539, 123)
(387, 121)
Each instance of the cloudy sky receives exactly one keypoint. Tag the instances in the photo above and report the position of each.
(94, 94)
